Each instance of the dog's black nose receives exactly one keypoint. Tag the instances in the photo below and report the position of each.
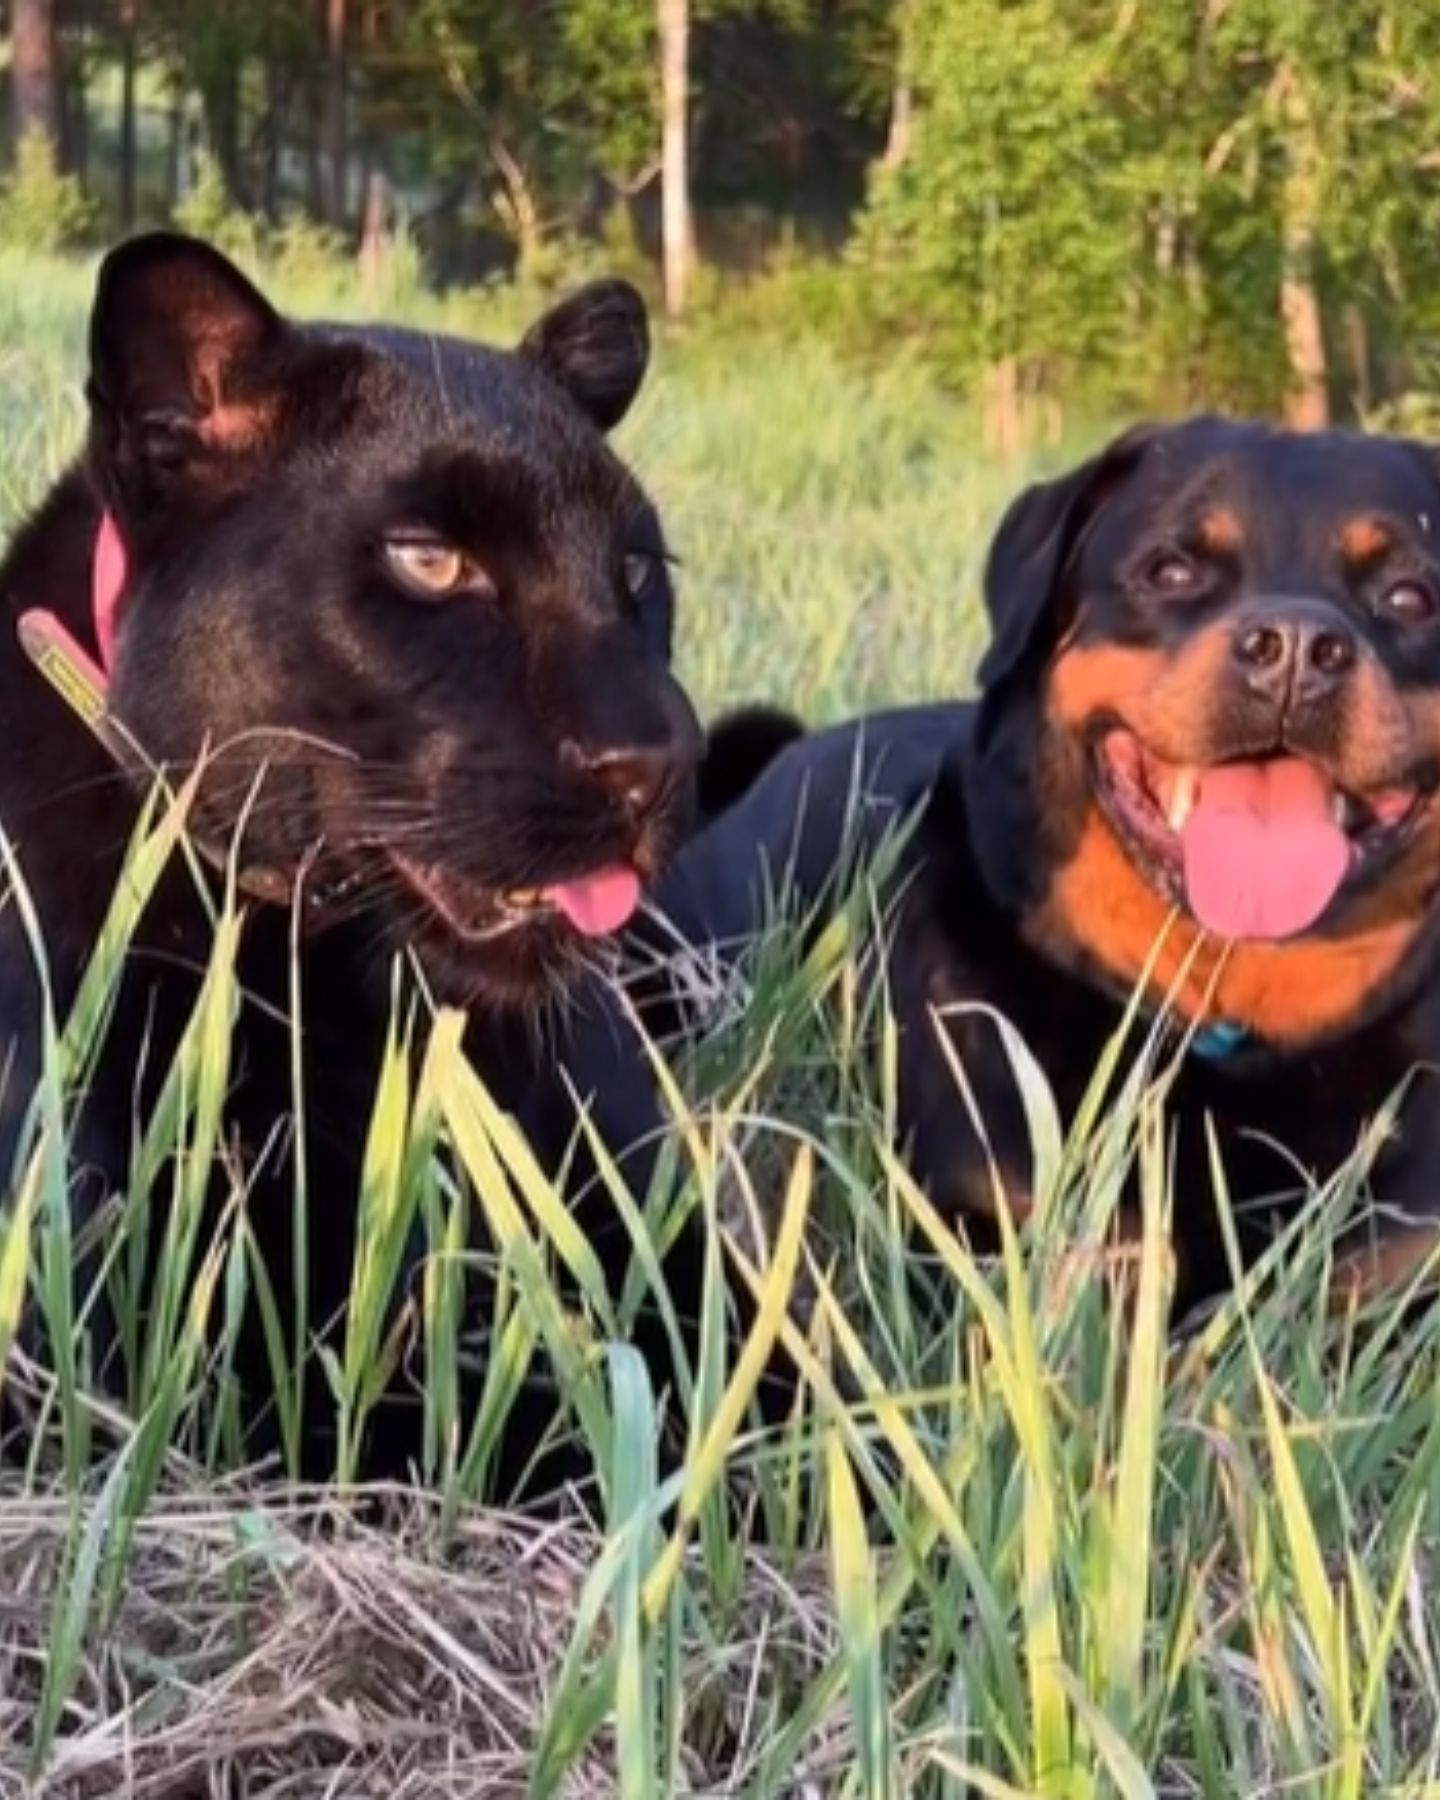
(1302, 652)
(638, 776)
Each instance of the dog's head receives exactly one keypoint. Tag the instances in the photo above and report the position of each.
(402, 588)
(1214, 685)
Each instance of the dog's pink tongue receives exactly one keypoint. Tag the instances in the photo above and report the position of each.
(1263, 854)
(597, 904)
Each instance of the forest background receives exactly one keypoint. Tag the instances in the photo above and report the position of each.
(1064, 206)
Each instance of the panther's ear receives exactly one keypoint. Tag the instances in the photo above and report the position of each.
(181, 358)
(1031, 555)
(596, 346)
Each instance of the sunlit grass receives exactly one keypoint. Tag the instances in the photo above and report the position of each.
(1013, 1538)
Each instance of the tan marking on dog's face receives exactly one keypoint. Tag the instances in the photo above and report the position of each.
(1165, 698)
(1364, 539)
(1220, 531)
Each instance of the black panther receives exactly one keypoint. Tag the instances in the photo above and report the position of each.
(409, 616)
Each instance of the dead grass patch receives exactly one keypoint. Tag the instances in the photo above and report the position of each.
(300, 1646)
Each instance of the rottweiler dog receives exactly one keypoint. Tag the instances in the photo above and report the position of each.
(1203, 768)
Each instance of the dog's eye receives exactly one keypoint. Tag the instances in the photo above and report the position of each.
(1410, 601)
(431, 569)
(1172, 573)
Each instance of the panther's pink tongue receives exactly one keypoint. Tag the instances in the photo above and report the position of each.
(1263, 854)
(597, 904)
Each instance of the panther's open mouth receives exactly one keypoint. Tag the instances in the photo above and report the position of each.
(1253, 850)
(595, 905)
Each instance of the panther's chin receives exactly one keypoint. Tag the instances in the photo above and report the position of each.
(518, 970)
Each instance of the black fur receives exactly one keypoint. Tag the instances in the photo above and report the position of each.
(739, 747)
(399, 759)
(1007, 788)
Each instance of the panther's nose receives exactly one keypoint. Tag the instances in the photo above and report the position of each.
(1300, 652)
(639, 775)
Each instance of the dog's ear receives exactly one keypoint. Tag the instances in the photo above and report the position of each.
(182, 359)
(739, 747)
(596, 346)
(1031, 555)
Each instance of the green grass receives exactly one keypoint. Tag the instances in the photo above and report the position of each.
(1014, 1539)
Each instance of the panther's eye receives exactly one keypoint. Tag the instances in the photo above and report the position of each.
(1171, 573)
(1410, 602)
(638, 571)
(431, 569)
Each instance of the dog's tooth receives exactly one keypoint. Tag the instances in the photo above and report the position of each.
(1182, 796)
(1339, 810)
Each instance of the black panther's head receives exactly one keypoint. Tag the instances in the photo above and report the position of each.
(406, 592)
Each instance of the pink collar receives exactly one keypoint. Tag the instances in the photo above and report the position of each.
(109, 567)
(83, 683)
(107, 585)
(82, 680)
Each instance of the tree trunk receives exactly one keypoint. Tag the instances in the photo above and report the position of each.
(222, 119)
(374, 229)
(34, 87)
(1357, 334)
(276, 107)
(175, 146)
(1002, 428)
(310, 99)
(336, 123)
(1307, 404)
(70, 26)
(901, 133)
(676, 227)
(129, 59)
(516, 205)
(1167, 237)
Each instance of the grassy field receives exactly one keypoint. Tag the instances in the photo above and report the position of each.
(1013, 1541)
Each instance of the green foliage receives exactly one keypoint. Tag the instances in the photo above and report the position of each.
(532, 102)
(1104, 197)
(300, 253)
(208, 212)
(298, 256)
(39, 207)
(1015, 213)
(1080, 203)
